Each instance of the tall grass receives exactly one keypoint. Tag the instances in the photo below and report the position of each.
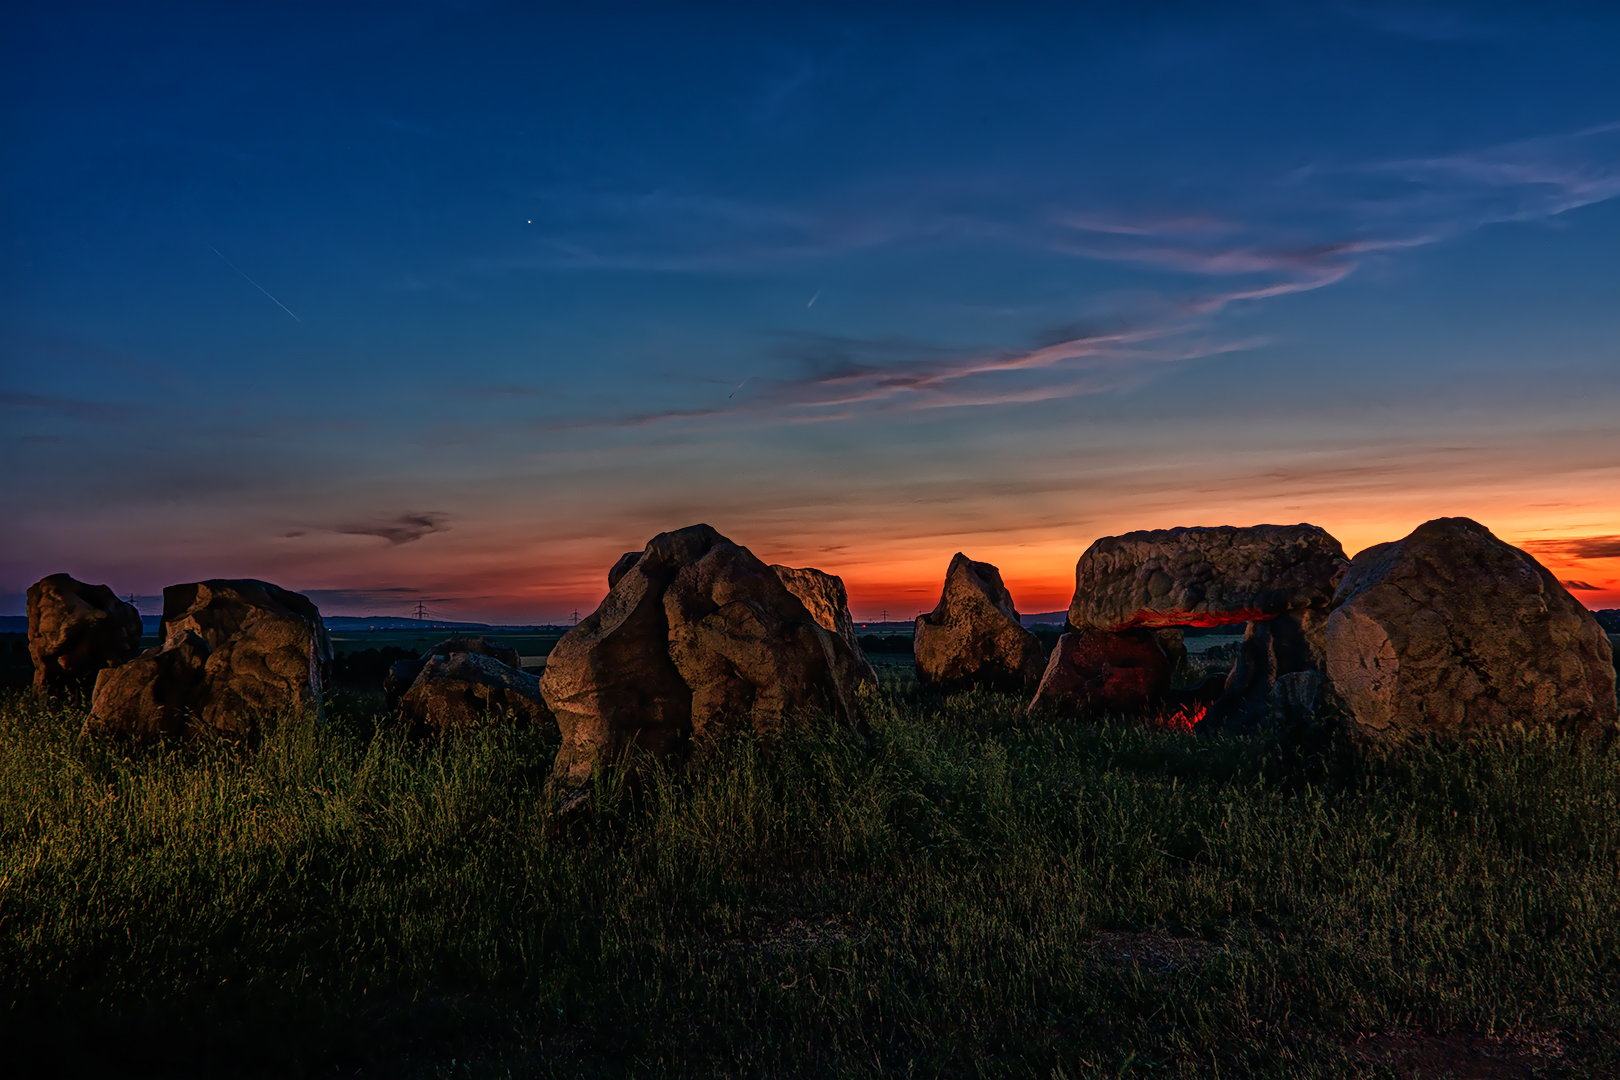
(972, 893)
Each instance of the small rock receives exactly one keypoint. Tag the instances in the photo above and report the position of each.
(457, 691)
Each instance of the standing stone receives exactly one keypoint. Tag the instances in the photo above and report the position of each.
(269, 652)
(156, 694)
(461, 690)
(1450, 632)
(1097, 671)
(1288, 644)
(974, 637)
(75, 630)
(695, 640)
(824, 597)
(1204, 576)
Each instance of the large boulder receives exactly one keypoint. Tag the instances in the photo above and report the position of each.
(269, 652)
(1450, 631)
(76, 629)
(697, 638)
(825, 598)
(974, 637)
(460, 690)
(158, 693)
(1204, 576)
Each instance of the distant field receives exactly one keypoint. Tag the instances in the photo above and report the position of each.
(527, 643)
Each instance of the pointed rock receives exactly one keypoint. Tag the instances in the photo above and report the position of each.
(973, 637)
(696, 639)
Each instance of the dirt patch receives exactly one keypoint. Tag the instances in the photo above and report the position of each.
(1463, 1056)
(786, 936)
(1153, 952)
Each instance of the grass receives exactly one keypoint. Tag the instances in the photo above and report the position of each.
(973, 893)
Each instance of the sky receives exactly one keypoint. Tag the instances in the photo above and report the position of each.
(451, 304)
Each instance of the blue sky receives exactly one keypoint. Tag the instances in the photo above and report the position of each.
(456, 302)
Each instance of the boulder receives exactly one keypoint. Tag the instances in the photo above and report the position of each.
(617, 570)
(402, 673)
(75, 630)
(1270, 650)
(1450, 632)
(696, 639)
(269, 652)
(460, 690)
(158, 693)
(1204, 576)
(973, 637)
(824, 597)
(1097, 671)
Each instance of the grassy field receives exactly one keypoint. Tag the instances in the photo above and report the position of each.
(972, 893)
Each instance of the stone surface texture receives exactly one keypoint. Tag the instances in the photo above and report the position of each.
(1098, 671)
(695, 640)
(825, 598)
(1204, 576)
(155, 694)
(268, 649)
(973, 637)
(1450, 631)
(76, 629)
(460, 690)
(617, 570)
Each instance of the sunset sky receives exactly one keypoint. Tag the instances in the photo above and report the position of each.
(454, 303)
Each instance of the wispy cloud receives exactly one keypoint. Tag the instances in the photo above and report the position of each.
(1576, 547)
(1291, 234)
(90, 412)
(402, 529)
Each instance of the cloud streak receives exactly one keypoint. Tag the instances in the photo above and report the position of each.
(402, 529)
(1296, 233)
(1576, 547)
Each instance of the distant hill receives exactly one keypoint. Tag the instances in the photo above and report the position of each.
(1045, 618)
(18, 624)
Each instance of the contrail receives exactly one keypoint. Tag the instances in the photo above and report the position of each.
(734, 392)
(251, 282)
(814, 298)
